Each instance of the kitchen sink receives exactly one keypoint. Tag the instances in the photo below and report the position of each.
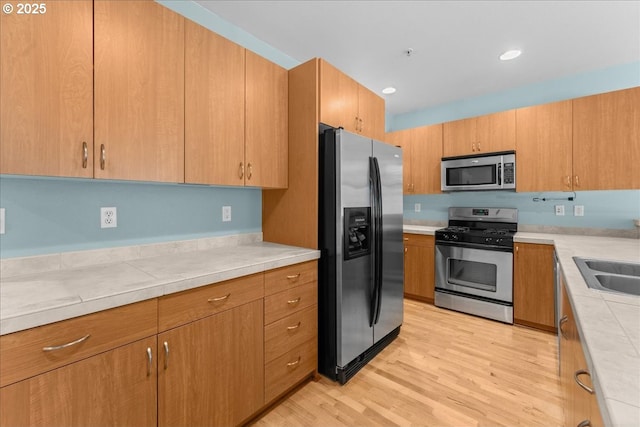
(614, 276)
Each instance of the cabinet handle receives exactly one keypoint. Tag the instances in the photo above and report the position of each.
(241, 170)
(166, 354)
(585, 423)
(103, 156)
(361, 125)
(293, 301)
(356, 124)
(478, 145)
(406, 239)
(562, 321)
(69, 344)
(517, 248)
(249, 170)
(406, 250)
(568, 181)
(292, 364)
(580, 383)
(473, 146)
(85, 154)
(149, 360)
(293, 276)
(576, 180)
(291, 328)
(219, 298)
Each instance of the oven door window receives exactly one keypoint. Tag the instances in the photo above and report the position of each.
(472, 274)
(472, 175)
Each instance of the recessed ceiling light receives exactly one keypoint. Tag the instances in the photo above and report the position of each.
(389, 90)
(510, 54)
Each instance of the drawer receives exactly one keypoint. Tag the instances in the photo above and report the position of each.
(285, 334)
(285, 371)
(34, 351)
(284, 303)
(419, 240)
(284, 278)
(184, 307)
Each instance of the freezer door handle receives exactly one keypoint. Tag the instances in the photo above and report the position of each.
(376, 213)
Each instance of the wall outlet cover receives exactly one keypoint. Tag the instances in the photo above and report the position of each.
(1, 220)
(417, 207)
(560, 210)
(226, 213)
(108, 217)
(578, 210)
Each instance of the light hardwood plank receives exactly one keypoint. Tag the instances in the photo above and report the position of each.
(445, 369)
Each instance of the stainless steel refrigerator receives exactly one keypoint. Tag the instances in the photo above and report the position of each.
(360, 286)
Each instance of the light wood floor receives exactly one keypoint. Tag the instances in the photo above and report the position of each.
(445, 369)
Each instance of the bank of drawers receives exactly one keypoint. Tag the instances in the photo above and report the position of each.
(31, 352)
(291, 325)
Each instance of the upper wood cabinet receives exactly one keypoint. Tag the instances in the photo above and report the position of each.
(534, 286)
(421, 155)
(139, 91)
(46, 91)
(347, 104)
(214, 108)
(544, 147)
(483, 134)
(606, 131)
(266, 125)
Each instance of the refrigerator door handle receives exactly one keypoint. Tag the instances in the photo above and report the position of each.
(373, 190)
(379, 242)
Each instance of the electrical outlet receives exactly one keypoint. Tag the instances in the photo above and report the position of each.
(1, 220)
(578, 210)
(560, 210)
(108, 218)
(226, 213)
(417, 207)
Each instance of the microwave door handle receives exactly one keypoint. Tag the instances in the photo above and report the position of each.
(500, 174)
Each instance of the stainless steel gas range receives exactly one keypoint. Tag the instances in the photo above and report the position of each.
(474, 262)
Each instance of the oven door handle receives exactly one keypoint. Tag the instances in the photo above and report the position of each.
(475, 246)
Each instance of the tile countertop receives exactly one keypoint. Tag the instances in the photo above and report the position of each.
(38, 298)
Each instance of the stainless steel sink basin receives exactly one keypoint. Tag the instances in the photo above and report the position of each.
(613, 276)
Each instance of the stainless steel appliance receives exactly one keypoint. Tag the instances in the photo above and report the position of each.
(489, 171)
(360, 289)
(474, 262)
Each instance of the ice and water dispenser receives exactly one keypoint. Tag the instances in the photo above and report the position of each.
(357, 232)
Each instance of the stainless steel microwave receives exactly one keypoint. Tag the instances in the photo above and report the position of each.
(489, 171)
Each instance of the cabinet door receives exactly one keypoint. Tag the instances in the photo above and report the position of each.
(370, 114)
(459, 137)
(212, 373)
(139, 91)
(214, 108)
(533, 286)
(266, 137)
(426, 154)
(116, 388)
(46, 91)
(419, 275)
(606, 131)
(544, 147)
(338, 98)
(403, 138)
(496, 132)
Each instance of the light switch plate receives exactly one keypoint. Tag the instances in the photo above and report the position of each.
(417, 207)
(578, 210)
(226, 213)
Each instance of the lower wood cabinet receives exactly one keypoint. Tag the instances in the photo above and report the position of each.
(580, 404)
(211, 371)
(534, 286)
(419, 273)
(211, 356)
(290, 327)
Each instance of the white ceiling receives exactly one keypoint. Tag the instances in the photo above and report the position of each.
(455, 44)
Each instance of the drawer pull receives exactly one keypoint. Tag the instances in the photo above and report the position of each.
(219, 298)
(580, 383)
(69, 344)
(293, 301)
(293, 276)
(406, 239)
(150, 360)
(585, 423)
(292, 364)
(562, 321)
(290, 328)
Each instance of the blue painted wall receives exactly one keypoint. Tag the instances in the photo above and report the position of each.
(602, 209)
(48, 215)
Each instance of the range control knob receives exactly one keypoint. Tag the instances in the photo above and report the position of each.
(488, 239)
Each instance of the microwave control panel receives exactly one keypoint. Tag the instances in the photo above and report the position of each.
(509, 173)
